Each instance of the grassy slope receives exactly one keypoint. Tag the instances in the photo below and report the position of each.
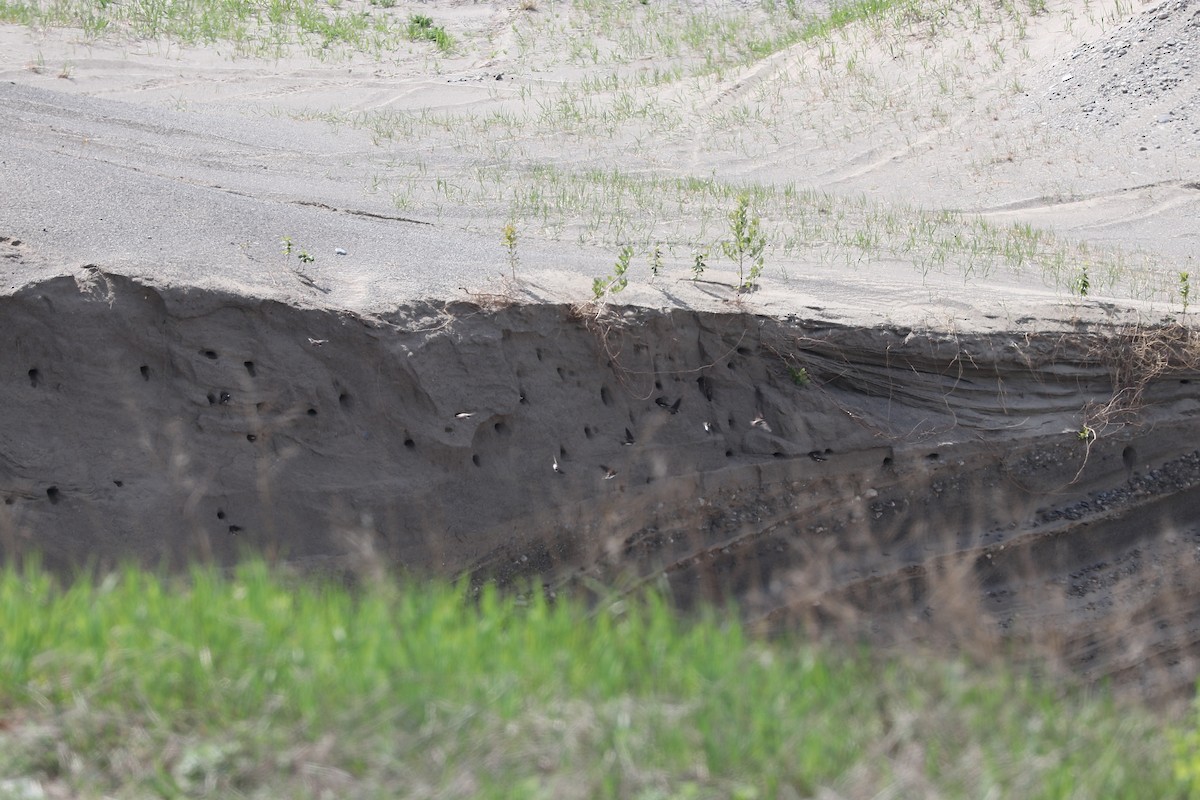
(264, 687)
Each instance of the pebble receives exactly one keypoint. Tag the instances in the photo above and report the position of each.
(341, 251)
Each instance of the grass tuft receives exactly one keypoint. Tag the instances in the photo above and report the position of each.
(421, 28)
(254, 683)
(263, 28)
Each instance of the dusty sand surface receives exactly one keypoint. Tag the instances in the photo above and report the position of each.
(917, 416)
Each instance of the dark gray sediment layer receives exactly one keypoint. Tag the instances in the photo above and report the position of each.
(816, 473)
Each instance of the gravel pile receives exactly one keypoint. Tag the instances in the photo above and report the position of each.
(1143, 78)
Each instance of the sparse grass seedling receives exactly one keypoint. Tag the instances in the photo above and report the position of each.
(799, 376)
(1185, 289)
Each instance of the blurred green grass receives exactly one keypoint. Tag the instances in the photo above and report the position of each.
(266, 27)
(253, 27)
(259, 684)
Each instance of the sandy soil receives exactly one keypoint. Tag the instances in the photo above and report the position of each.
(917, 417)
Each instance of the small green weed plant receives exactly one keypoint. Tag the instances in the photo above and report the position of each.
(745, 244)
(508, 236)
(288, 248)
(699, 264)
(1082, 283)
(618, 280)
(799, 376)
